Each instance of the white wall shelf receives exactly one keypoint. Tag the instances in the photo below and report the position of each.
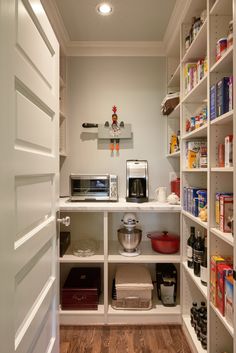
(121, 205)
(195, 170)
(173, 155)
(192, 335)
(228, 327)
(221, 7)
(196, 280)
(198, 93)
(200, 132)
(227, 237)
(175, 79)
(175, 113)
(222, 169)
(223, 64)
(223, 119)
(197, 49)
(195, 219)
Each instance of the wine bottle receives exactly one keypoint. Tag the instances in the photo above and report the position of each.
(198, 249)
(190, 243)
(203, 270)
(193, 311)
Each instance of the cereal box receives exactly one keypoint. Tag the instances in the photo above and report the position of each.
(223, 270)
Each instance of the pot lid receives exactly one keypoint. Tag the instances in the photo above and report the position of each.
(162, 236)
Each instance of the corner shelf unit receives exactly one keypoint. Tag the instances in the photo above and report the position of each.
(213, 178)
(101, 220)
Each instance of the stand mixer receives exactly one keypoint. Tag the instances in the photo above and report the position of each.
(129, 236)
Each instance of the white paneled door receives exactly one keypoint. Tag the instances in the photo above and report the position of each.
(29, 113)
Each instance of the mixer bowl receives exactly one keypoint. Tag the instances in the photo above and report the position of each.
(129, 238)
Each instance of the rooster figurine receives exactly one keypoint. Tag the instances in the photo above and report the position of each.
(115, 131)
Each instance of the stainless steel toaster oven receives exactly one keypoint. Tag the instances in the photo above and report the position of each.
(89, 187)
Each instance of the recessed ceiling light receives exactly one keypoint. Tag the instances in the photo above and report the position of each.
(104, 9)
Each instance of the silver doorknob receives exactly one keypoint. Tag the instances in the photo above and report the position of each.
(64, 220)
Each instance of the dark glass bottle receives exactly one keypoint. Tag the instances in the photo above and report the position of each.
(203, 308)
(198, 249)
(199, 325)
(193, 311)
(203, 270)
(190, 244)
(203, 335)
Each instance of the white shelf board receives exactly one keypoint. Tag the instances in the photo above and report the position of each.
(62, 116)
(225, 63)
(195, 219)
(227, 237)
(173, 155)
(222, 169)
(68, 257)
(198, 93)
(194, 170)
(62, 82)
(147, 254)
(63, 154)
(81, 312)
(200, 132)
(198, 47)
(175, 79)
(150, 206)
(175, 113)
(223, 119)
(192, 334)
(228, 327)
(196, 280)
(221, 7)
(157, 309)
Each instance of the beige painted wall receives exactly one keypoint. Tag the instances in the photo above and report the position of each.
(136, 85)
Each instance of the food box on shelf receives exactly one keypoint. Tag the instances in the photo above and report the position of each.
(215, 260)
(217, 205)
(213, 102)
(229, 299)
(81, 289)
(229, 151)
(223, 270)
(222, 96)
(226, 213)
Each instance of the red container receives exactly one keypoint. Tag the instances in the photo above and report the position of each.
(175, 186)
(164, 243)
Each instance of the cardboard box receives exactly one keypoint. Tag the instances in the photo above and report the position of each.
(222, 96)
(217, 206)
(229, 151)
(213, 102)
(215, 260)
(226, 213)
(229, 299)
(223, 270)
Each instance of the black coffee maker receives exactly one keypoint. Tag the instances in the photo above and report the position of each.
(136, 181)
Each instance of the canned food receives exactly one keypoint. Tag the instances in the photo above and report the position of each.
(192, 123)
(221, 47)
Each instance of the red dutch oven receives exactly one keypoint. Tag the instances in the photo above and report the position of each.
(164, 242)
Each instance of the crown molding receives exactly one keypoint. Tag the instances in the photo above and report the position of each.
(57, 23)
(172, 34)
(117, 48)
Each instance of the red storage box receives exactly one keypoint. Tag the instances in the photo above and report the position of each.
(81, 289)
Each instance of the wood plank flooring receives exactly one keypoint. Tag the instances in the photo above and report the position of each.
(123, 339)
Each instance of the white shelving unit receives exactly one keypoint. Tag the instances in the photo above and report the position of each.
(101, 222)
(213, 178)
(63, 108)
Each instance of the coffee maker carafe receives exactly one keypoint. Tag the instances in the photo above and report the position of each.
(136, 181)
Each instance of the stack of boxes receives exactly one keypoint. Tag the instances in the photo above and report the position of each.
(221, 97)
(221, 285)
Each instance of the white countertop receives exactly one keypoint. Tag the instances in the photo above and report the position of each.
(121, 205)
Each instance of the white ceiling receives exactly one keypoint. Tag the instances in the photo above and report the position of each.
(132, 20)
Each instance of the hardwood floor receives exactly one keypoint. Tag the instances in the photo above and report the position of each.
(123, 339)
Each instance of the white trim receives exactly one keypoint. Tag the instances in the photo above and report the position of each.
(173, 28)
(57, 23)
(116, 48)
(107, 48)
